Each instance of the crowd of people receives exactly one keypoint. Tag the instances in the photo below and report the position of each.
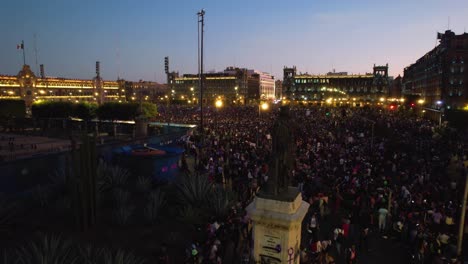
(366, 173)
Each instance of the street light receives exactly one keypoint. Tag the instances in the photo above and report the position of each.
(219, 103)
(420, 101)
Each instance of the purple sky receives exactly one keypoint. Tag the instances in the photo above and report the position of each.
(132, 39)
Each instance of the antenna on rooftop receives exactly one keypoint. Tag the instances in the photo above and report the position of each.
(35, 50)
(448, 25)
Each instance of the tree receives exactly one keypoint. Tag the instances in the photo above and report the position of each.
(149, 110)
(12, 108)
(84, 110)
(117, 111)
(50, 109)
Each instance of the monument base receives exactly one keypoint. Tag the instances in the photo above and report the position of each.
(277, 228)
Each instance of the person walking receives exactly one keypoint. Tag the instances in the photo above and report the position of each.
(382, 219)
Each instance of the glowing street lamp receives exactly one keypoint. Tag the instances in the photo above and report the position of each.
(420, 101)
(264, 106)
(219, 103)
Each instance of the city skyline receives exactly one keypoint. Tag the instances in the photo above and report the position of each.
(131, 41)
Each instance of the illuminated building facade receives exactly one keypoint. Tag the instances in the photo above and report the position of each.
(146, 90)
(440, 77)
(261, 86)
(233, 85)
(29, 87)
(367, 87)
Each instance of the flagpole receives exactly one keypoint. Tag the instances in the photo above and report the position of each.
(24, 55)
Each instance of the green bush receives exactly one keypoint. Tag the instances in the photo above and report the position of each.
(12, 108)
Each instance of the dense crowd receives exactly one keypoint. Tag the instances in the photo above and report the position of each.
(365, 172)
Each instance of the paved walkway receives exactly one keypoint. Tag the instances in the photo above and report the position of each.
(13, 146)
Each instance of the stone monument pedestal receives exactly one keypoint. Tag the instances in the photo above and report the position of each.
(277, 223)
(141, 127)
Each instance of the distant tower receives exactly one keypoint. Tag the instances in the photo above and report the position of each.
(98, 92)
(288, 81)
(380, 83)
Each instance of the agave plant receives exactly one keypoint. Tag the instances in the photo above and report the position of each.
(47, 249)
(121, 257)
(191, 215)
(118, 176)
(220, 201)
(111, 176)
(41, 195)
(120, 197)
(143, 184)
(194, 190)
(8, 211)
(122, 215)
(156, 200)
(91, 254)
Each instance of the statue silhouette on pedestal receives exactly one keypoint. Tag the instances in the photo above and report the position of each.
(283, 160)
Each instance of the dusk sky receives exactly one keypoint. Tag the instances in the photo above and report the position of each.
(133, 37)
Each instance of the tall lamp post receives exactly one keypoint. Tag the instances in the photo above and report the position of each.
(261, 107)
(218, 104)
(201, 24)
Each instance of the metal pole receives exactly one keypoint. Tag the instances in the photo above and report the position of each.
(372, 137)
(462, 218)
(201, 21)
(24, 54)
